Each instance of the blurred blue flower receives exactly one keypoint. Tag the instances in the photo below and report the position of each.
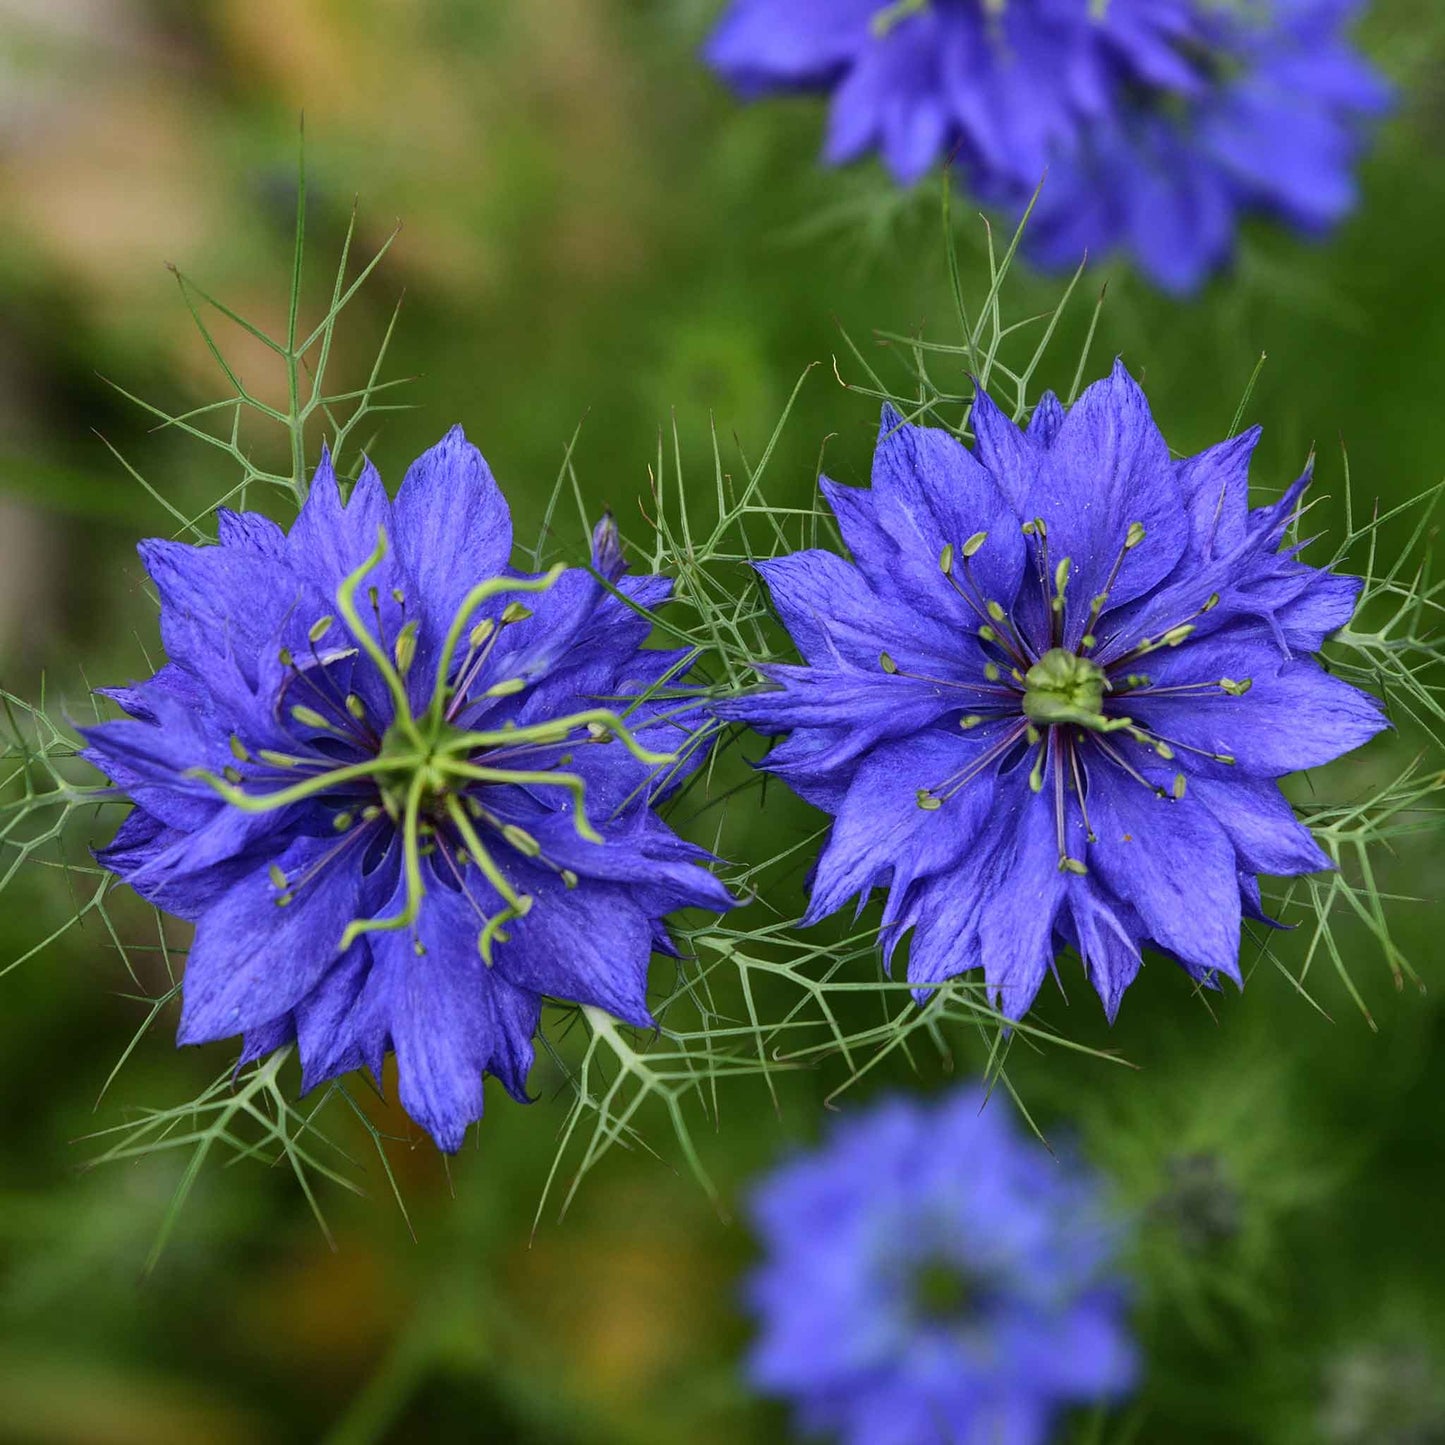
(1048, 700)
(1159, 122)
(930, 1277)
(386, 777)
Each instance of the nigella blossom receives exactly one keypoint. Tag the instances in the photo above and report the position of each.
(1159, 123)
(932, 1277)
(403, 791)
(1048, 701)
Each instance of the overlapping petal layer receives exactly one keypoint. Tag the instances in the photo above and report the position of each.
(1159, 123)
(404, 792)
(928, 1275)
(1049, 700)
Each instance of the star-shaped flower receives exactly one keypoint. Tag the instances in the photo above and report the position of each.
(1048, 701)
(404, 791)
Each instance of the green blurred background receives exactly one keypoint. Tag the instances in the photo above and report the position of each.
(593, 229)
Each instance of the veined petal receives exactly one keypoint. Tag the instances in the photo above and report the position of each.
(453, 526)
(1173, 862)
(591, 945)
(255, 957)
(881, 833)
(1299, 718)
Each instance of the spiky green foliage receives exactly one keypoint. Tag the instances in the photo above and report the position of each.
(751, 997)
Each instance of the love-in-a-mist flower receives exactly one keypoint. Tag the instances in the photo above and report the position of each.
(1048, 700)
(403, 791)
(1159, 122)
(930, 1276)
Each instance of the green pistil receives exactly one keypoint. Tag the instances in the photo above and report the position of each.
(1062, 687)
(889, 16)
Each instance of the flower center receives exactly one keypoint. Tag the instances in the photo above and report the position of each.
(942, 1291)
(1062, 687)
(424, 763)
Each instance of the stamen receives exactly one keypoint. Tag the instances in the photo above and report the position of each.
(1014, 644)
(1172, 638)
(411, 869)
(1121, 761)
(1154, 738)
(521, 840)
(492, 587)
(894, 14)
(346, 605)
(1061, 582)
(1075, 769)
(1141, 685)
(1132, 538)
(1036, 776)
(308, 717)
(404, 649)
(933, 798)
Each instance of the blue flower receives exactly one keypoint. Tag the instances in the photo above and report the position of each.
(932, 1278)
(1048, 700)
(403, 791)
(1159, 122)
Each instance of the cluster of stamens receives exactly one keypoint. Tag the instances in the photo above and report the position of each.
(424, 775)
(1060, 700)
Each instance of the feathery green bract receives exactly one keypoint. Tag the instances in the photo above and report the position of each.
(751, 997)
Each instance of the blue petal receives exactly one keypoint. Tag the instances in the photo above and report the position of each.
(760, 43)
(1109, 467)
(997, 909)
(330, 540)
(929, 491)
(591, 945)
(344, 1022)
(1173, 862)
(864, 709)
(250, 532)
(1262, 825)
(442, 1025)
(880, 828)
(834, 617)
(216, 600)
(1107, 936)
(453, 526)
(1299, 718)
(1216, 490)
(252, 958)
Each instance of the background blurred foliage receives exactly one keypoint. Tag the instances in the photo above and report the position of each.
(592, 229)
